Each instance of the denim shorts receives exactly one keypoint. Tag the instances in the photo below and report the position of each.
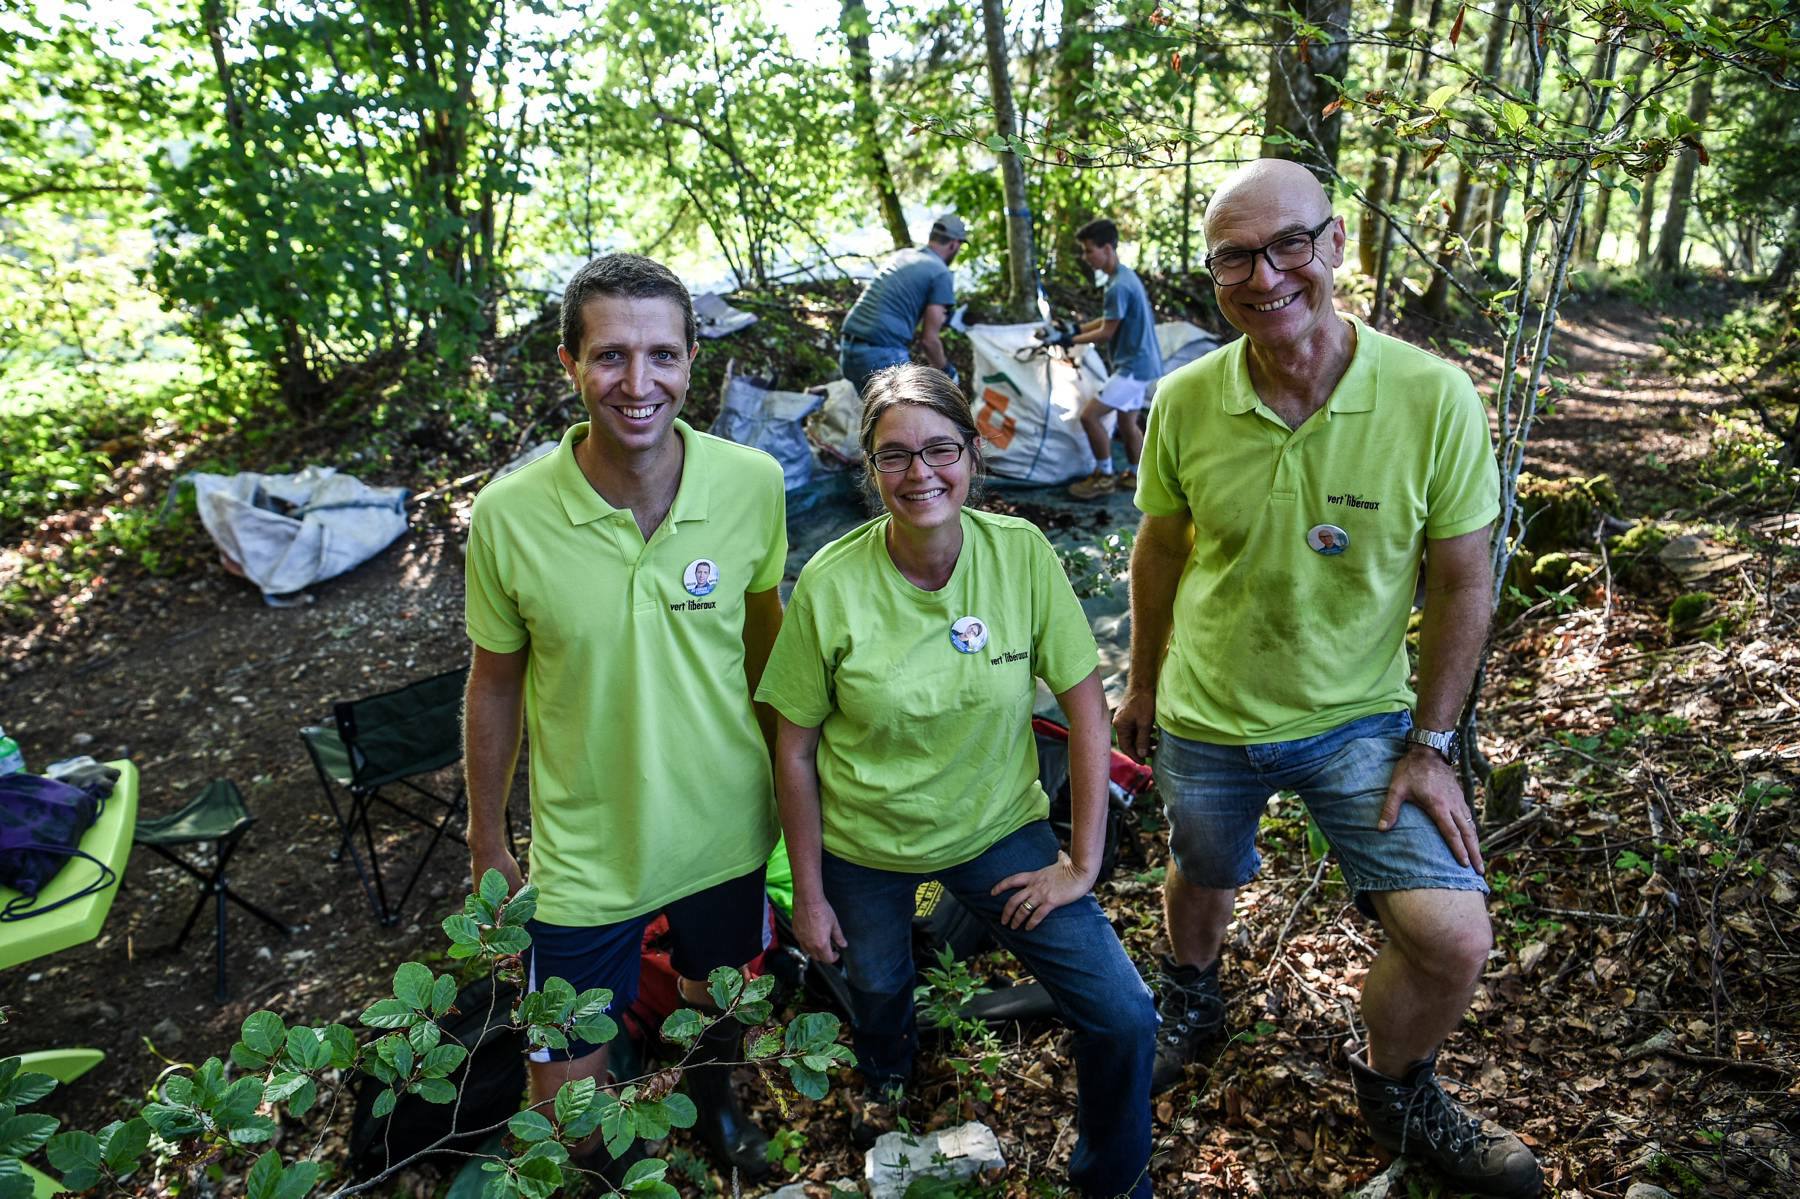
(1214, 797)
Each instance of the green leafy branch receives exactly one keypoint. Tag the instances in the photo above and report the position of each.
(220, 1110)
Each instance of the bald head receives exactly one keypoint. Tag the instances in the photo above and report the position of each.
(1267, 185)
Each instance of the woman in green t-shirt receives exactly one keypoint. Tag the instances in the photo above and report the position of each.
(905, 676)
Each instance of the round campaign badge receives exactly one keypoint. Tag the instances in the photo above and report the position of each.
(1327, 539)
(700, 577)
(968, 634)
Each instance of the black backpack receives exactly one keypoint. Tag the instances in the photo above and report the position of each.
(491, 1082)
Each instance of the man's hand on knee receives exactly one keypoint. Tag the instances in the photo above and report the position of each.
(1423, 779)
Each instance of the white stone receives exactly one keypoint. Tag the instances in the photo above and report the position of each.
(898, 1158)
(1646, 1190)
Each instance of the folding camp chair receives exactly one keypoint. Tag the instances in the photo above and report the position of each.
(385, 741)
(218, 815)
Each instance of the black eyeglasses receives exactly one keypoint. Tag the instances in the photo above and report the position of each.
(1291, 253)
(938, 453)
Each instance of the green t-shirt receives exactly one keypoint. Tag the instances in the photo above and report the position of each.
(1290, 616)
(923, 698)
(649, 777)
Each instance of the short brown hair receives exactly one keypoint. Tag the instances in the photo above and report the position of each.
(630, 275)
(1098, 232)
(925, 386)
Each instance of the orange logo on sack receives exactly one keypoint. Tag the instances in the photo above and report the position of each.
(992, 420)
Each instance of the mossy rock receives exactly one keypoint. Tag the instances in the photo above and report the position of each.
(1634, 551)
(1688, 612)
(1506, 793)
(1563, 513)
(1556, 570)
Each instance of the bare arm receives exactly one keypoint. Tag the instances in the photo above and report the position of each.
(1458, 597)
(1098, 331)
(762, 621)
(930, 322)
(1072, 875)
(797, 793)
(1157, 559)
(493, 715)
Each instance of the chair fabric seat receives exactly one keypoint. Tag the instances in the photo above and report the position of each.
(328, 749)
(217, 812)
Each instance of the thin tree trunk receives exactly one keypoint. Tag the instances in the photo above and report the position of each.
(854, 21)
(1646, 218)
(1369, 227)
(1681, 187)
(1782, 273)
(1021, 266)
(1298, 90)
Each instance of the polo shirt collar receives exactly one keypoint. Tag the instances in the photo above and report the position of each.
(1355, 392)
(582, 504)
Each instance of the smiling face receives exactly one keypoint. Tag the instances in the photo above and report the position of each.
(631, 370)
(921, 497)
(1266, 201)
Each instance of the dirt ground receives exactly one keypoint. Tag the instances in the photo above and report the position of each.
(195, 679)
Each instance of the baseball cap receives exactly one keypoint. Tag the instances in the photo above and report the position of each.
(950, 225)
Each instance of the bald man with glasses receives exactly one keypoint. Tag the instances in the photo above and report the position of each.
(1294, 483)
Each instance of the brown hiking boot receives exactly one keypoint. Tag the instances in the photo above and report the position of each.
(1413, 1117)
(1094, 486)
(1192, 1008)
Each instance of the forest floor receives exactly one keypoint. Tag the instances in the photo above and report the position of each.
(1638, 1020)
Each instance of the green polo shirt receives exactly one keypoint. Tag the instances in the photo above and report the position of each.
(1273, 639)
(923, 698)
(649, 778)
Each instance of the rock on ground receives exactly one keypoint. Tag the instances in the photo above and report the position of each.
(898, 1157)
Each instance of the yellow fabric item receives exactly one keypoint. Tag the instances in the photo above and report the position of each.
(926, 756)
(649, 778)
(1282, 631)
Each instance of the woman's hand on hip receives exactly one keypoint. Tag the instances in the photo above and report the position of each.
(816, 928)
(1040, 892)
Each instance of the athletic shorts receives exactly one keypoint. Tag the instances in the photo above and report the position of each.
(725, 925)
(1125, 394)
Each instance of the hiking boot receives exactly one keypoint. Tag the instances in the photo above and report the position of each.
(735, 1142)
(875, 1110)
(1193, 1012)
(1126, 482)
(1094, 486)
(1414, 1117)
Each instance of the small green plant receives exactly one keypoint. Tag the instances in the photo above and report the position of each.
(787, 1149)
(1687, 611)
(1098, 569)
(976, 1051)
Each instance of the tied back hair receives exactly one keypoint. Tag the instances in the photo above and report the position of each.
(924, 387)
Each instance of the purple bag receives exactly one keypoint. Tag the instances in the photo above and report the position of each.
(41, 825)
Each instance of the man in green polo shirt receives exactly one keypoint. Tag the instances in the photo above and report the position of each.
(1294, 483)
(621, 595)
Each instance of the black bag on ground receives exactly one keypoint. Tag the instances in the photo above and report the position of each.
(42, 822)
(491, 1082)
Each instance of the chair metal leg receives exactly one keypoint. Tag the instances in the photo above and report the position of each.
(188, 926)
(383, 912)
(449, 814)
(219, 975)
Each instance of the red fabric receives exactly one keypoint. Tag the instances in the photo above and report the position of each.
(1133, 778)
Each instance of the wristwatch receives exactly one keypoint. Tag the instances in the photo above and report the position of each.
(1447, 742)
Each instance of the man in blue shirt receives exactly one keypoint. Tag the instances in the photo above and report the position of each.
(914, 287)
(1128, 327)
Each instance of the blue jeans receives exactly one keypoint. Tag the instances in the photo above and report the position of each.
(1214, 796)
(860, 359)
(1074, 953)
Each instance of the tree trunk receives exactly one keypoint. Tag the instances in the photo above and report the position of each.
(1782, 273)
(854, 21)
(1681, 187)
(1437, 293)
(1297, 92)
(1072, 201)
(1021, 266)
(1369, 227)
(1646, 217)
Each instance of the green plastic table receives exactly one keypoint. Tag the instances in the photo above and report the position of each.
(110, 841)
